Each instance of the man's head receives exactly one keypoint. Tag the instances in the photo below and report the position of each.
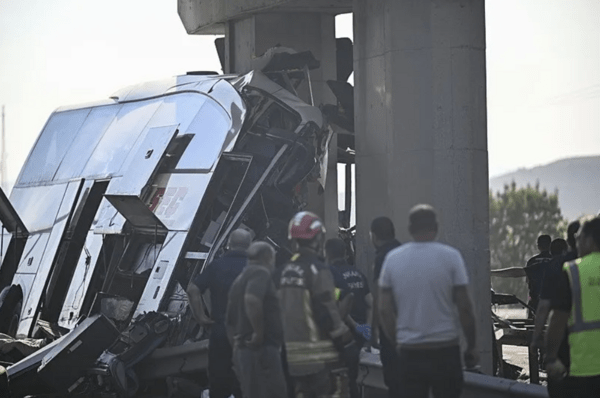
(335, 249)
(571, 232)
(239, 240)
(307, 230)
(422, 223)
(558, 247)
(262, 253)
(382, 230)
(588, 239)
(543, 243)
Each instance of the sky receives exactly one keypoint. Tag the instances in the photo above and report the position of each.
(543, 68)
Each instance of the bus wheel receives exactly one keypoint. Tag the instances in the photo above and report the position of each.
(11, 302)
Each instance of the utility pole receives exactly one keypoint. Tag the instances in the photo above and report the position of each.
(3, 155)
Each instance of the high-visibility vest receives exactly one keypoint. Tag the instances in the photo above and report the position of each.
(584, 321)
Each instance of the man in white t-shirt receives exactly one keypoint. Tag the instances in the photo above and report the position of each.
(423, 299)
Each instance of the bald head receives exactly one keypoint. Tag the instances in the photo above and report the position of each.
(239, 239)
(262, 253)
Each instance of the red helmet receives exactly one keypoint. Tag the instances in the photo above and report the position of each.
(305, 225)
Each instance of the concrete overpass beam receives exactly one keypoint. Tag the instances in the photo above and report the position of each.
(420, 103)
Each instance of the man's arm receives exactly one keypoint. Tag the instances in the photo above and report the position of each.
(254, 311)
(467, 321)
(541, 316)
(554, 337)
(326, 311)
(197, 305)
(369, 301)
(387, 312)
(514, 272)
(375, 316)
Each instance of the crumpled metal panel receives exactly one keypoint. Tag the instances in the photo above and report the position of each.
(81, 279)
(257, 79)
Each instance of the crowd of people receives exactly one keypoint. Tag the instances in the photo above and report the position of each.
(564, 287)
(296, 329)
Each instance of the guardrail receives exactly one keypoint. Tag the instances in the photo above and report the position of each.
(476, 385)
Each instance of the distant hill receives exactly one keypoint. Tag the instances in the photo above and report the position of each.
(577, 181)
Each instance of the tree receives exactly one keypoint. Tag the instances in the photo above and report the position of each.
(517, 217)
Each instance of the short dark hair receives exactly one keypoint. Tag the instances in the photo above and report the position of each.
(383, 228)
(422, 218)
(571, 232)
(544, 241)
(261, 251)
(592, 228)
(335, 248)
(558, 246)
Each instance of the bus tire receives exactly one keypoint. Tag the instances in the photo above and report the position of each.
(11, 303)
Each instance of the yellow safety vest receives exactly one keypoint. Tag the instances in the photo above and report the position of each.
(584, 321)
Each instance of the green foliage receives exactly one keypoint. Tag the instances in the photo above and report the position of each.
(517, 217)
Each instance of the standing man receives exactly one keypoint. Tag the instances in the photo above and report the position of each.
(317, 342)
(218, 277)
(577, 307)
(534, 270)
(422, 284)
(383, 237)
(550, 290)
(254, 326)
(350, 281)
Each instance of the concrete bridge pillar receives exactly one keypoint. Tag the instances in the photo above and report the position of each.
(420, 104)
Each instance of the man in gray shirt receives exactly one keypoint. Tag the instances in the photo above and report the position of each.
(254, 326)
(422, 283)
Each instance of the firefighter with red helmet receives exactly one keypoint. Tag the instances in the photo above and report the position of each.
(316, 339)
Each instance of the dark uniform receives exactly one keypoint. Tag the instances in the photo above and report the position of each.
(387, 353)
(314, 333)
(218, 278)
(552, 290)
(535, 269)
(351, 281)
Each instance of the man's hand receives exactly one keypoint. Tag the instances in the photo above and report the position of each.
(471, 358)
(255, 341)
(556, 369)
(537, 341)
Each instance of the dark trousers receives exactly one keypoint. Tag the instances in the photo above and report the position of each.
(260, 371)
(574, 387)
(221, 378)
(437, 370)
(389, 361)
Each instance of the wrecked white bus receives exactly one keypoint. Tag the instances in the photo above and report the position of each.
(121, 202)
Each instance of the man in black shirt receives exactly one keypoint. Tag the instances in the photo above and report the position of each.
(218, 277)
(534, 270)
(254, 326)
(550, 290)
(383, 237)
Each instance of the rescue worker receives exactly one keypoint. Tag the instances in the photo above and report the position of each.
(218, 278)
(316, 339)
(578, 307)
(351, 282)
